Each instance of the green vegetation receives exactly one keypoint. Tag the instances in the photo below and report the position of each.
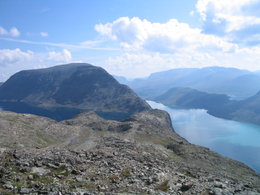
(62, 170)
(164, 186)
(126, 172)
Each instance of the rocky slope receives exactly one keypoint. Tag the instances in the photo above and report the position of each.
(77, 85)
(90, 155)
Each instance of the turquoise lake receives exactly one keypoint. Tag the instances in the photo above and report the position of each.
(236, 140)
(239, 141)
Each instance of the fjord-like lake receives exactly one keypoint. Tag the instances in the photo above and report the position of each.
(236, 140)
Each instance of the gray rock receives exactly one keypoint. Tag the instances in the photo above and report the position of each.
(8, 186)
(40, 171)
(24, 190)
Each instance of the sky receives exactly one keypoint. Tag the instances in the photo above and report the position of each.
(131, 38)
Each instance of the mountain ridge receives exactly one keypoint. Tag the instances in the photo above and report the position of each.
(236, 83)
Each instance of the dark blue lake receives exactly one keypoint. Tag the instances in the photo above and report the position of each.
(239, 141)
(56, 113)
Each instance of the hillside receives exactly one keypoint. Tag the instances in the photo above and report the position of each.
(215, 104)
(236, 83)
(78, 86)
(90, 155)
(247, 110)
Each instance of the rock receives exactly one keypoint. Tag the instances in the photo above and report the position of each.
(8, 186)
(75, 172)
(52, 166)
(186, 186)
(54, 193)
(30, 177)
(218, 184)
(217, 191)
(40, 171)
(24, 190)
(43, 192)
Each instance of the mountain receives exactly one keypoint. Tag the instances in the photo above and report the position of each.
(247, 110)
(1, 83)
(236, 83)
(90, 155)
(77, 85)
(121, 79)
(216, 104)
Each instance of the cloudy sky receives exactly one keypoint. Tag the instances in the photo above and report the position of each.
(132, 38)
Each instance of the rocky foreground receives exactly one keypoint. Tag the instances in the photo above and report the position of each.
(90, 155)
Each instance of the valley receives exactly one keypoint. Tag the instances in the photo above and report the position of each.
(75, 129)
(227, 93)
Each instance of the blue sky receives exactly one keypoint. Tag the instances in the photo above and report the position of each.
(132, 38)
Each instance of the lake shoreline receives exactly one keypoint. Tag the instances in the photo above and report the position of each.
(233, 139)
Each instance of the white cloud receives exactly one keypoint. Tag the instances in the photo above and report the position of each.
(3, 31)
(8, 56)
(12, 61)
(65, 55)
(151, 47)
(13, 32)
(137, 64)
(228, 18)
(136, 34)
(87, 45)
(44, 34)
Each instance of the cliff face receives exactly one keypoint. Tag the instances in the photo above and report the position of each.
(88, 154)
(81, 86)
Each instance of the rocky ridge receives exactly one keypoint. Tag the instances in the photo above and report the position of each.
(90, 155)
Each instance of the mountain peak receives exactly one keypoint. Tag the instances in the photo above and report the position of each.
(76, 85)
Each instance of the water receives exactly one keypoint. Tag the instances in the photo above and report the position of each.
(240, 141)
(56, 113)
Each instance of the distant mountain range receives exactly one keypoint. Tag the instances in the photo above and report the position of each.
(236, 83)
(1, 83)
(217, 105)
(78, 86)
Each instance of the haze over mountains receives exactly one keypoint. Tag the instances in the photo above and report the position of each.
(224, 92)
(236, 83)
